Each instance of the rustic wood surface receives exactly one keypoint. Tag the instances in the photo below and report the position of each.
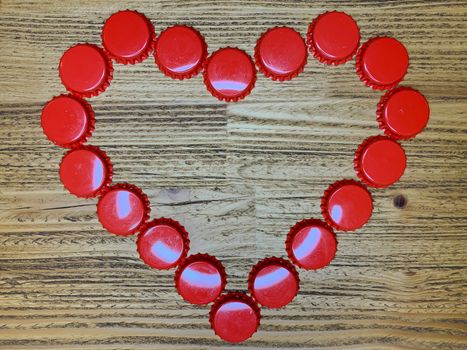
(237, 176)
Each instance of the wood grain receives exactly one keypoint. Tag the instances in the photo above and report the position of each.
(237, 176)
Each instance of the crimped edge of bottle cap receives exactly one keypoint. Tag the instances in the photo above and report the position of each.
(380, 115)
(297, 228)
(362, 75)
(327, 194)
(316, 53)
(108, 78)
(191, 73)
(234, 296)
(138, 192)
(214, 92)
(91, 121)
(143, 54)
(205, 258)
(358, 158)
(107, 163)
(262, 68)
(268, 261)
(175, 225)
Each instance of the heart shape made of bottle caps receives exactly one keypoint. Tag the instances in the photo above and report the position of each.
(281, 53)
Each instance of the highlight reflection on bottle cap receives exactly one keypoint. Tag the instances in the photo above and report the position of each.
(67, 121)
(180, 52)
(311, 244)
(85, 70)
(163, 243)
(333, 37)
(128, 36)
(380, 161)
(347, 205)
(85, 171)
(273, 282)
(234, 317)
(229, 74)
(382, 63)
(281, 53)
(123, 209)
(200, 279)
(403, 113)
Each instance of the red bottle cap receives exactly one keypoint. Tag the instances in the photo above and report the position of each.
(234, 317)
(85, 70)
(229, 74)
(403, 113)
(128, 36)
(281, 53)
(347, 205)
(180, 52)
(311, 244)
(333, 37)
(273, 282)
(200, 279)
(123, 209)
(163, 243)
(382, 63)
(380, 161)
(67, 121)
(85, 171)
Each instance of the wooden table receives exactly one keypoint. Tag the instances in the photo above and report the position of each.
(237, 176)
